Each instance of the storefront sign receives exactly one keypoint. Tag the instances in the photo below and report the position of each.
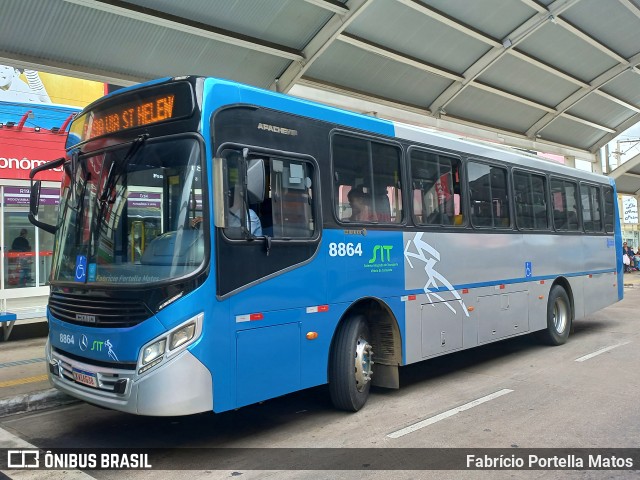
(629, 209)
(19, 196)
(23, 150)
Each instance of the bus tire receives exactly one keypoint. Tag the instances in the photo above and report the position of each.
(558, 317)
(350, 366)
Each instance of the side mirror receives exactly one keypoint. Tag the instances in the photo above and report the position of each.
(34, 197)
(255, 180)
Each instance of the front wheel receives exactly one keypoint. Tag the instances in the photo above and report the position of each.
(558, 317)
(350, 367)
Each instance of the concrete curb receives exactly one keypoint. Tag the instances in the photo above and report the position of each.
(30, 402)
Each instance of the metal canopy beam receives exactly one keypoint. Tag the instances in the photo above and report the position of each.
(425, 10)
(499, 49)
(630, 122)
(624, 171)
(631, 6)
(398, 57)
(330, 5)
(155, 17)
(318, 44)
(575, 97)
(70, 70)
(368, 104)
(332, 18)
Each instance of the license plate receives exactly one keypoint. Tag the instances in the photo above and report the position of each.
(85, 378)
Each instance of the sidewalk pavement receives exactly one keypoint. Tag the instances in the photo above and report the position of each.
(24, 386)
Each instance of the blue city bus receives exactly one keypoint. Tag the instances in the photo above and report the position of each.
(219, 245)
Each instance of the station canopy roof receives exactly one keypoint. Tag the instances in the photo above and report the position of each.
(558, 73)
(627, 176)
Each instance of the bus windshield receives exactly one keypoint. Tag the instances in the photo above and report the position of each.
(131, 214)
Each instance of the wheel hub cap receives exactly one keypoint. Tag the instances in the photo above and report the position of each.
(363, 363)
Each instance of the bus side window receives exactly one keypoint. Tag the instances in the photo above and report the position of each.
(436, 189)
(489, 199)
(374, 169)
(591, 211)
(564, 196)
(530, 200)
(609, 210)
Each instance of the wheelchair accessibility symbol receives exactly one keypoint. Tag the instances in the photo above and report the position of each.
(81, 268)
(528, 272)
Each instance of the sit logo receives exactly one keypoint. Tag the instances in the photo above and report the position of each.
(382, 250)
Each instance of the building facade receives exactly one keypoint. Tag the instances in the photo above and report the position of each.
(35, 112)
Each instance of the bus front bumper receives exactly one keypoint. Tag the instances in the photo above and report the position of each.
(180, 386)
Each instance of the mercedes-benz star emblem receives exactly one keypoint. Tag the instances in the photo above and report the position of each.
(84, 342)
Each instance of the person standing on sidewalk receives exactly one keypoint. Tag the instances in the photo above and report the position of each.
(21, 244)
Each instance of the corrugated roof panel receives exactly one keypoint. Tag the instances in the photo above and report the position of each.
(81, 36)
(568, 132)
(480, 106)
(286, 22)
(604, 21)
(601, 110)
(495, 18)
(400, 28)
(64, 35)
(104, 41)
(212, 59)
(555, 46)
(625, 87)
(627, 184)
(635, 169)
(523, 79)
(367, 72)
(31, 22)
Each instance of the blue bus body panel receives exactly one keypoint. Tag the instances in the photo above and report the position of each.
(618, 241)
(220, 92)
(282, 299)
(103, 344)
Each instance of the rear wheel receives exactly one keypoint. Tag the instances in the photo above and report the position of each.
(558, 317)
(351, 365)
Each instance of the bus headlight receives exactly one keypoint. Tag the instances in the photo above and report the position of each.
(163, 348)
(153, 351)
(182, 336)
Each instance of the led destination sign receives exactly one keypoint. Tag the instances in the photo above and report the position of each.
(136, 109)
(131, 115)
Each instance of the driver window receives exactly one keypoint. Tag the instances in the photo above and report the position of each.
(286, 209)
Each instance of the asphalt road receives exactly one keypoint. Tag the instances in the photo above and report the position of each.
(515, 394)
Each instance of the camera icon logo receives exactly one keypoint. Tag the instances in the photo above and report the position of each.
(29, 458)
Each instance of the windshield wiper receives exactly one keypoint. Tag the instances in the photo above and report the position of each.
(112, 177)
(117, 170)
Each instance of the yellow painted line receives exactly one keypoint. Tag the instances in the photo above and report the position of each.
(22, 381)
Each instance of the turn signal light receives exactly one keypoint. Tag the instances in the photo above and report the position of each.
(312, 335)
